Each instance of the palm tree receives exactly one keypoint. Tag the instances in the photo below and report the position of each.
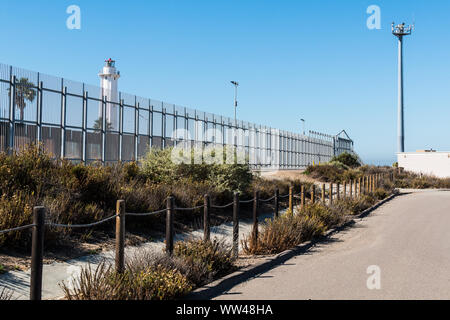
(24, 92)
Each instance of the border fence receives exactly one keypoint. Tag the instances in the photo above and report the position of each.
(325, 194)
(70, 119)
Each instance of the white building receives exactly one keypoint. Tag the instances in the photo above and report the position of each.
(109, 77)
(427, 162)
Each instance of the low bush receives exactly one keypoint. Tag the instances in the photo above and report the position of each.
(104, 283)
(289, 230)
(215, 255)
(409, 180)
(78, 193)
(347, 159)
(154, 276)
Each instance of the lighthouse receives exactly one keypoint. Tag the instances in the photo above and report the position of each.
(109, 77)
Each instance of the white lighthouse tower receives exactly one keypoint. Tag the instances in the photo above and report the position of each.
(109, 77)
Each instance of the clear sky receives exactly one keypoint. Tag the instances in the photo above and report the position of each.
(295, 59)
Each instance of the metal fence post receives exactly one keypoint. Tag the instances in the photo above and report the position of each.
(39, 110)
(277, 202)
(236, 225)
(255, 218)
(63, 118)
(120, 236)
(169, 225)
(206, 218)
(104, 125)
(12, 113)
(84, 126)
(37, 253)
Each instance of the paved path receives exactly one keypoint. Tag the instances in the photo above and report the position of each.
(408, 238)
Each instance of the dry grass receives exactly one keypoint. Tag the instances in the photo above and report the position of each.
(154, 276)
(409, 180)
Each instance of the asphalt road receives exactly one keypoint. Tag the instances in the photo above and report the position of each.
(406, 241)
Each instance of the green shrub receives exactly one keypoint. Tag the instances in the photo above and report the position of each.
(347, 159)
(15, 211)
(289, 230)
(215, 255)
(104, 283)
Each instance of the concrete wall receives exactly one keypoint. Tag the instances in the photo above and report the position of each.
(430, 163)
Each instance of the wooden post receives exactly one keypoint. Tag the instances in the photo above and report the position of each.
(37, 253)
(169, 225)
(313, 194)
(255, 218)
(277, 202)
(360, 187)
(338, 189)
(206, 218)
(302, 197)
(291, 203)
(323, 194)
(367, 183)
(120, 236)
(351, 189)
(345, 189)
(331, 194)
(235, 249)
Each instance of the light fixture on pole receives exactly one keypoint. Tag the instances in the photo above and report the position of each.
(303, 123)
(236, 85)
(400, 31)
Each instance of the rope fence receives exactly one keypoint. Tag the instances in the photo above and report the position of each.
(358, 188)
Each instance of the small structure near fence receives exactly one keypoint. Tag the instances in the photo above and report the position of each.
(358, 187)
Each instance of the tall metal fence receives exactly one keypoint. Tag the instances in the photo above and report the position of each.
(71, 120)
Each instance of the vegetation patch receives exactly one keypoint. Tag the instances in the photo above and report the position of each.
(154, 276)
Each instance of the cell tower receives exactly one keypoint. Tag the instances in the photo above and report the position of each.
(400, 31)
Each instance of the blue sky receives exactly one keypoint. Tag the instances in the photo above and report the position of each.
(315, 60)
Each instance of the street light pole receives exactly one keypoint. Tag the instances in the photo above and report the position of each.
(303, 122)
(236, 85)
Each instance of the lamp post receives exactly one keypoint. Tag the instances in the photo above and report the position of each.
(303, 123)
(236, 85)
(400, 31)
